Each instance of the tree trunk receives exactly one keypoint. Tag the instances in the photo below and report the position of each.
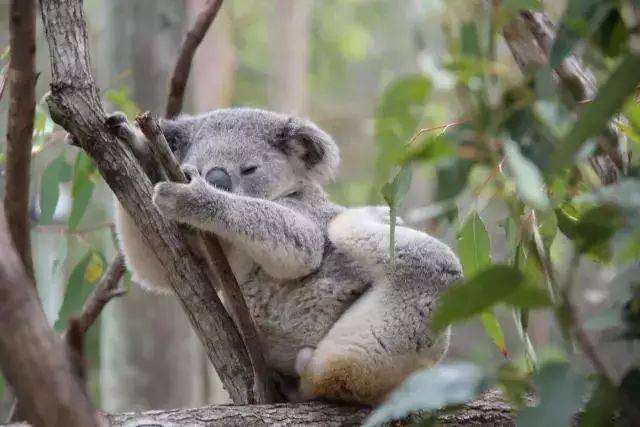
(150, 356)
(33, 359)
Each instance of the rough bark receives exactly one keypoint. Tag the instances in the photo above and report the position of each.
(74, 104)
(22, 80)
(187, 50)
(488, 410)
(218, 267)
(150, 356)
(34, 361)
(530, 37)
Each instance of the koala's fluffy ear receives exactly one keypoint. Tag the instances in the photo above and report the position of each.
(177, 135)
(310, 148)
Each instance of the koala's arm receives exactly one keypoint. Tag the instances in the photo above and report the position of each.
(285, 243)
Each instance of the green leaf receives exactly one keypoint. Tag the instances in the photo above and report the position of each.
(560, 391)
(428, 149)
(452, 177)
(474, 247)
(529, 183)
(498, 283)
(79, 287)
(596, 114)
(84, 178)
(470, 39)
(474, 250)
(56, 172)
(393, 193)
(397, 117)
(601, 406)
(443, 385)
(612, 35)
(591, 231)
(493, 329)
(514, 383)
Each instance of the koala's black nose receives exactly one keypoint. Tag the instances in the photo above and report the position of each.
(219, 178)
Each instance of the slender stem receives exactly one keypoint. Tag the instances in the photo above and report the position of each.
(182, 66)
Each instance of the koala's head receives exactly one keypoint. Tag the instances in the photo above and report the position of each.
(252, 152)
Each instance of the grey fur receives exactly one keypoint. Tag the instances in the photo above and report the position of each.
(315, 275)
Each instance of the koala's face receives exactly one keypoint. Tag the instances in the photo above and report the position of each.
(253, 152)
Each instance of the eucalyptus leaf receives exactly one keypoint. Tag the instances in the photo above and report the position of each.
(443, 385)
(474, 247)
(397, 117)
(79, 286)
(560, 391)
(56, 172)
(498, 283)
(84, 178)
(393, 193)
(529, 183)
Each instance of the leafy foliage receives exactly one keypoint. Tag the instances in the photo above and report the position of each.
(532, 143)
(444, 385)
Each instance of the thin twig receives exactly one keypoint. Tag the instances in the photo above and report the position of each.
(444, 128)
(183, 64)
(104, 291)
(22, 78)
(220, 273)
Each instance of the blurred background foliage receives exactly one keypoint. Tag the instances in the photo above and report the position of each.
(434, 118)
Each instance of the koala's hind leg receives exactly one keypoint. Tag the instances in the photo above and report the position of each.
(385, 335)
(372, 348)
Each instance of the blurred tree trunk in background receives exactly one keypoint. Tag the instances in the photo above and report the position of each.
(150, 356)
(211, 86)
(289, 59)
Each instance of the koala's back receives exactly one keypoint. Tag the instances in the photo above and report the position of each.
(293, 314)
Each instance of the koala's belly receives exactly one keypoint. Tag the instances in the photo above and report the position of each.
(293, 314)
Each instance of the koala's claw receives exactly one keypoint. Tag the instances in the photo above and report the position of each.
(191, 172)
(118, 125)
(115, 119)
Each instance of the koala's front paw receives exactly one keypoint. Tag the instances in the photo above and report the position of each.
(176, 200)
(166, 197)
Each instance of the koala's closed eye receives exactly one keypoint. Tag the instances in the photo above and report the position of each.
(248, 170)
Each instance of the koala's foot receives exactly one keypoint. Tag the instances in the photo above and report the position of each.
(343, 377)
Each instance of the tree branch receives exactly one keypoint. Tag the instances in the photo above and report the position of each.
(74, 104)
(219, 269)
(22, 80)
(103, 292)
(530, 37)
(183, 64)
(34, 361)
(488, 410)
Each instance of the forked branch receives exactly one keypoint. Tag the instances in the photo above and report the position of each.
(74, 104)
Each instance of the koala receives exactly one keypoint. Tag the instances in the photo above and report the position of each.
(336, 315)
